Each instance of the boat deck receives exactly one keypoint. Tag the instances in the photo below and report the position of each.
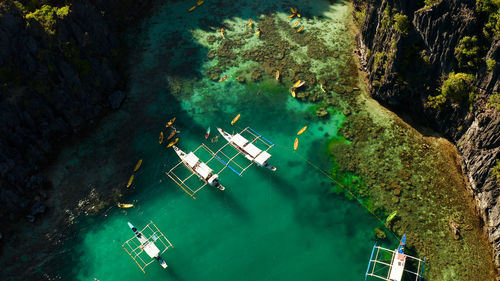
(390, 265)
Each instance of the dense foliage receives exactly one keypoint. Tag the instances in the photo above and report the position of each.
(47, 15)
(458, 87)
(401, 23)
(467, 52)
(494, 101)
(491, 10)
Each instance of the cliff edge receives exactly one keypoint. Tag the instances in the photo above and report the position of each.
(437, 62)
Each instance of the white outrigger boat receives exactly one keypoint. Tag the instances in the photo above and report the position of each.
(394, 269)
(195, 167)
(248, 149)
(147, 241)
(193, 163)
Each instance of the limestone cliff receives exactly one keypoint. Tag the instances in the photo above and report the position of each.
(59, 71)
(406, 64)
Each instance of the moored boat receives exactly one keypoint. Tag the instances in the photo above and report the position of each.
(204, 173)
(172, 134)
(130, 181)
(160, 138)
(302, 130)
(296, 144)
(148, 246)
(207, 134)
(235, 119)
(249, 150)
(169, 123)
(138, 165)
(173, 142)
(124, 205)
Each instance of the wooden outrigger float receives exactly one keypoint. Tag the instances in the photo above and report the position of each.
(392, 265)
(149, 242)
(196, 168)
(248, 149)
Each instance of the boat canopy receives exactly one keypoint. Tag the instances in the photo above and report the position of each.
(191, 159)
(151, 249)
(251, 149)
(262, 158)
(239, 140)
(203, 170)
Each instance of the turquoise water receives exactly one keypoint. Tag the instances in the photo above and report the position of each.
(283, 225)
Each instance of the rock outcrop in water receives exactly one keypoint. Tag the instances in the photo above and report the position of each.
(59, 71)
(405, 64)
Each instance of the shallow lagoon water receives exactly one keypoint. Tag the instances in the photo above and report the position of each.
(283, 225)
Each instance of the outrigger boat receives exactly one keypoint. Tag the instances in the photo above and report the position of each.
(198, 168)
(393, 269)
(248, 149)
(147, 241)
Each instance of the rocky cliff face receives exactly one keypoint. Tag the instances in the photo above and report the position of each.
(53, 82)
(404, 69)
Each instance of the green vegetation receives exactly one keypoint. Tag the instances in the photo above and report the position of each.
(401, 23)
(490, 64)
(386, 19)
(467, 52)
(491, 10)
(359, 16)
(47, 16)
(494, 101)
(378, 58)
(430, 3)
(495, 171)
(457, 88)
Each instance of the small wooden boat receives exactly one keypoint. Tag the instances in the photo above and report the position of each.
(298, 15)
(300, 29)
(292, 92)
(250, 22)
(130, 181)
(160, 139)
(296, 85)
(293, 10)
(192, 9)
(257, 32)
(296, 144)
(223, 32)
(138, 165)
(207, 134)
(172, 134)
(235, 119)
(322, 88)
(295, 24)
(173, 142)
(302, 130)
(277, 76)
(291, 16)
(200, 2)
(169, 123)
(223, 78)
(125, 205)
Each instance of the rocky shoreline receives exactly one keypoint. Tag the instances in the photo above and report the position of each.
(404, 69)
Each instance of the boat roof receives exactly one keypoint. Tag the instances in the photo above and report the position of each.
(239, 140)
(191, 159)
(262, 158)
(203, 170)
(151, 249)
(251, 149)
(397, 268)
